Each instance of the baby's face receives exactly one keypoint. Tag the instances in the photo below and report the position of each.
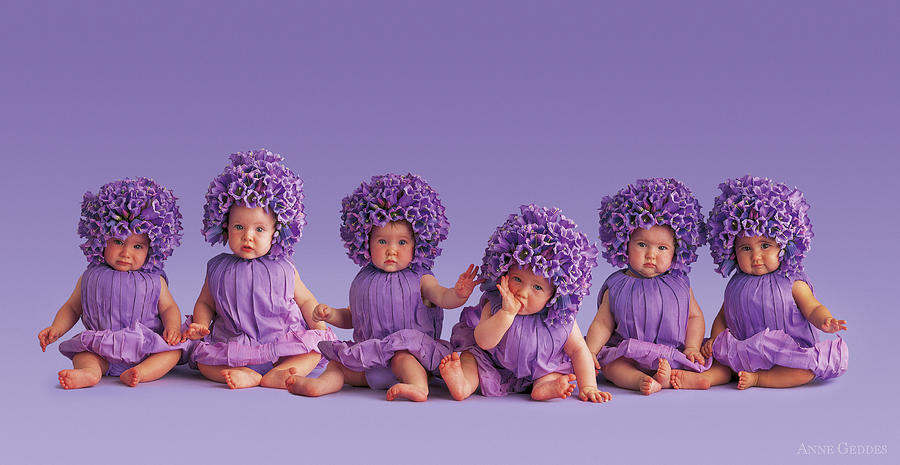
(650, 251)
(250, 231)
(391, 246)
(757, 255)
(127, 255)
(533, 290)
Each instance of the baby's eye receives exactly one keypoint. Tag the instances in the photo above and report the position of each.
(662, 247)
(260, 229)
(538, 287)
(765, 246)
(239, 227)
(382, 241)
(641, 244)
(517, 279)
(117, 242)
(403, 242)
(138, 246)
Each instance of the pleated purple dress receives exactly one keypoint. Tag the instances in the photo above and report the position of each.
(257, 320)
(651, 316)
(765, 329)
(389, 315)
(529, 350)
(120, 310)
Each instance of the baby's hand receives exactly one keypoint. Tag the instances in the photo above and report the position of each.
(322, 312)
(195, 331)
(706, 348)
(694, 355)
(466, 283)
(831, 325)
(596, 366)
(592, 394)
(48, 336)
(511, 303)
(172, 335)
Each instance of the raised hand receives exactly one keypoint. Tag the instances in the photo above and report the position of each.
(48, 336)
(511, 303)
(832, 325)
(322, 312)
(195, 331)
(467, 282)
(695, 355)
(172, 336)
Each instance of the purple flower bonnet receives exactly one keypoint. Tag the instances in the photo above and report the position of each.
(647, 203)
(751, 206)
(547, 242)
(253, 179)
(392, 197)
(126, 207)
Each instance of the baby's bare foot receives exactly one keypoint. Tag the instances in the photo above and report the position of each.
(747, 379)
(131, 377)
(649, 386)
(663, 374)
(560, 387)
(76, 379)
(303, 386)
(451, 372)
(682, 379)
(239, 378)
(407, 391)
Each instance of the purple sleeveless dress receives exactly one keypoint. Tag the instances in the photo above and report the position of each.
(120, 310)
(765, 328)
(257, 320)
(389, 315)
(651, 316)
(529, 350)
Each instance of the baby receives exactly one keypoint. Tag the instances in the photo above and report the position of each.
(132, 325)
(766, 331)
(254, 313)
(647, 320)
(523, 333)
(391, 226)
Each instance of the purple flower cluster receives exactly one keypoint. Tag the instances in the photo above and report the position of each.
(126, 207)
(392, 197)
(750, 206)
(257, 179)
(547, 242)
(647, 203)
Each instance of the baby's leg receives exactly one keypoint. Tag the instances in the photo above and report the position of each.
(413, 383)
(552, 386)
(234, 377)
(775, 377)
(330, 381)
(152, 368)
(716, 375)
(624, 374)
(460, 373)
(299, 365)
(88, 368)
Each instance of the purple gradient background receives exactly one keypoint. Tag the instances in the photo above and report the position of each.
(495, 104)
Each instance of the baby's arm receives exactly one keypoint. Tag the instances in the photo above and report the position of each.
(339, 317)
(204, 311)
(307, 303)
(693, 337)
(65, 319)
(454, 297)
(717, 327)
(814, 311)
(169, 314)
(491, 328)
(601, 328)
(583, 363)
